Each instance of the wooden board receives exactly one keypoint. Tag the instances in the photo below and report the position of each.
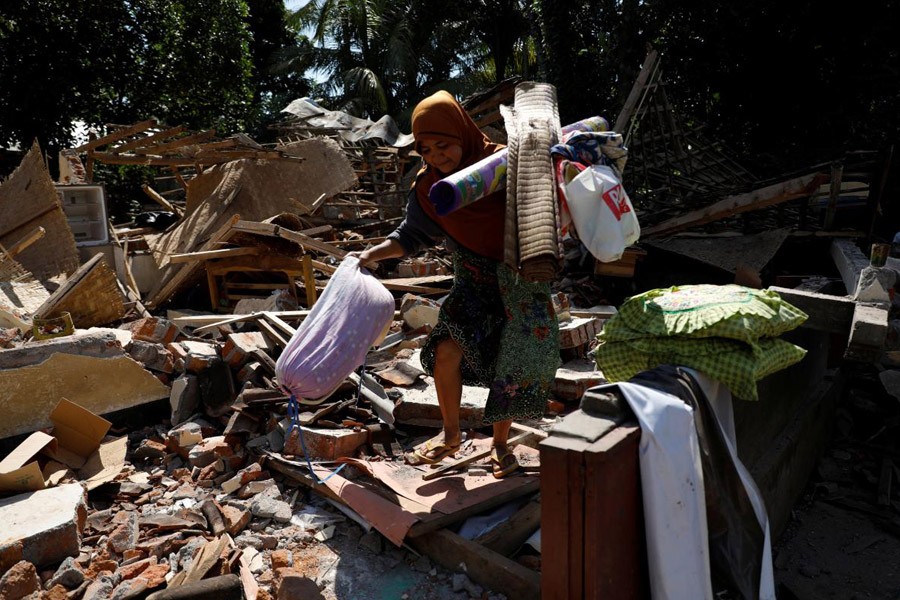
(486, 567)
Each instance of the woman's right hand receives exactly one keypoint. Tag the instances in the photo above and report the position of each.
(365, 258)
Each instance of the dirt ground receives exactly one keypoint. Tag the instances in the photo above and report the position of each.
(843, 541)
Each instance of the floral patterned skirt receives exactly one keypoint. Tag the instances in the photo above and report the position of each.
(508, 333)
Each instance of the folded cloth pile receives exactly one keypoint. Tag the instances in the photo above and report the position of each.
(727, 332)
(532, 242)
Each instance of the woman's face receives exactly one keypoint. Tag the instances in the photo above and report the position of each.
(441, 155)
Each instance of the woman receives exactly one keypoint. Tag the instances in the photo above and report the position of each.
(494, 329)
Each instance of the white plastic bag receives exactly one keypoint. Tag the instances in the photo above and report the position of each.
(353, 312)
(602, 213)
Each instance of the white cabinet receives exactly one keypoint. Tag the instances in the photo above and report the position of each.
(85, 208)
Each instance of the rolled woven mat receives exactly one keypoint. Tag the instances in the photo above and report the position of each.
(532, 242)
(489, 174)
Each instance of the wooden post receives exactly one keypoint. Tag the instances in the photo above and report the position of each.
(309, 281)
(837, 173)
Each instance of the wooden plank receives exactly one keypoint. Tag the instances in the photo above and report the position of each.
(771, 195)
(837, 174)
(154, 195)
(181, 142)
(833, 314)
(647, 69)
(272, 230)
(280, 325)
(510, 535)
(117, 135)
(147, 140)
(487, 568)
(273, 334)
(214, 254)
(413, 289)
(562, 518)
(30, 238)
(614, 562)
(158, 161)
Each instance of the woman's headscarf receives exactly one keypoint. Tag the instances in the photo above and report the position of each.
(478, 226)
(440, 116)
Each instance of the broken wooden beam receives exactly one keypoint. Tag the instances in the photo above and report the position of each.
(484, 566)
(154, 195)
(214, 254)
(117, 135)
(150, 139)
(272, 230)
(771, 195)
(32, 236)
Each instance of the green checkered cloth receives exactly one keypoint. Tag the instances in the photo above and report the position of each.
(727, 332)
(736, 364)
(728, 311)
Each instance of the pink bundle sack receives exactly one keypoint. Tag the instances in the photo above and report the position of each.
(353, 313)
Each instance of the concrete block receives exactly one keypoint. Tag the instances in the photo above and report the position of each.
(325, 444)
(418, 312)
(419, 405)
(574, 378)
(153, 356)
(224, 587)
(578, 331)
(186, 435)
(868, 330)
(238, 346)
(199, 356)
(184, 398)
(209, 451)
(152, 329)
(98, 344)
(48, 522)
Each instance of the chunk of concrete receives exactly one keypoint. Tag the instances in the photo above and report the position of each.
(100, 385)
(867, 332)
(184, 398)
(418, 312)
(153, 356)
(574, 378)
(48, 523)
(97, 344)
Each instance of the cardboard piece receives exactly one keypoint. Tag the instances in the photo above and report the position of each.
(19, 472)
(105, 463)
(78, 431)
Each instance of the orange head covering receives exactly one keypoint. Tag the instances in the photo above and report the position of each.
(478, 226)
(441, 117)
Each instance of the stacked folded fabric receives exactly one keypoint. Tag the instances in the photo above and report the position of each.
(727, 332)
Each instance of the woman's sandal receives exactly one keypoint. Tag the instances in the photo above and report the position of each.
(501, 466)
(432, 452)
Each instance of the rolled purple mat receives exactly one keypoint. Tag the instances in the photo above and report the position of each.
(488, 175)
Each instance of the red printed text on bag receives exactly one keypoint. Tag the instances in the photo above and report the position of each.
(617, 201)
